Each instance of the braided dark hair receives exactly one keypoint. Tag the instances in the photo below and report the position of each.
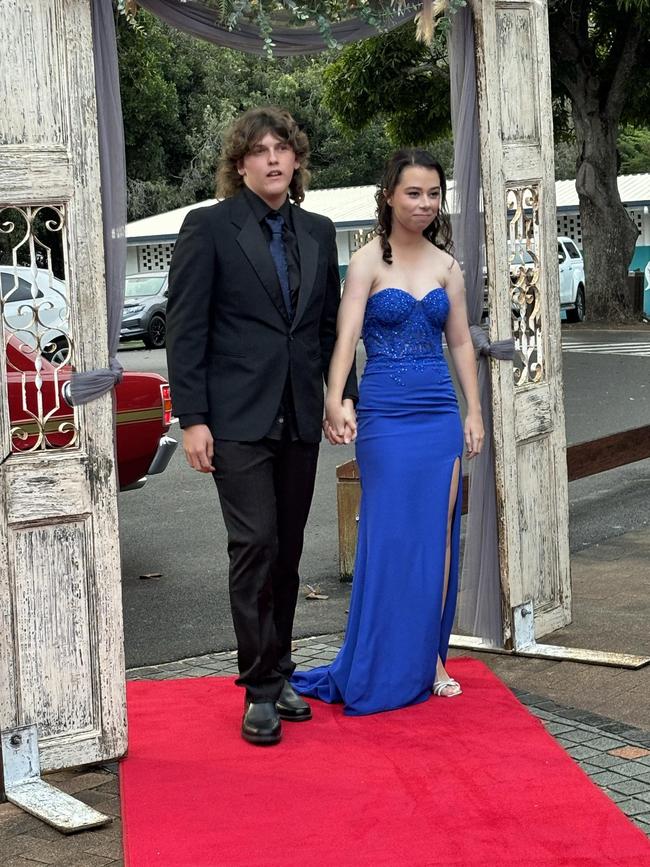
(439, 230)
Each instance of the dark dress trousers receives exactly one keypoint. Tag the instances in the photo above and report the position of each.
(241, 364)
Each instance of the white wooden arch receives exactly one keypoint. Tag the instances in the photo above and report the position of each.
(61, 643)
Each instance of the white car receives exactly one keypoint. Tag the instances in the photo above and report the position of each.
(572, 277)
(572, 280)
(35, 305)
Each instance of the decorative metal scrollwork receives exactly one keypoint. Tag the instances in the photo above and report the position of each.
(523, 261)
(35, 315)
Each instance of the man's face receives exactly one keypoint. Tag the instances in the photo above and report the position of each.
(267, 169)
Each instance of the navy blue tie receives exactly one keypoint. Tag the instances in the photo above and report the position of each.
(279, 256)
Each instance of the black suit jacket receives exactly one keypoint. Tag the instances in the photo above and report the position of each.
(230, 345)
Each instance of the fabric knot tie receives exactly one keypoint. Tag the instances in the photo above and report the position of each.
(503, 350)
(275, 223)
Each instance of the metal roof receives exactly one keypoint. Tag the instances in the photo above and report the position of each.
(352, 207)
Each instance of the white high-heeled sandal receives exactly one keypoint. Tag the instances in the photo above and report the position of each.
(440, 685)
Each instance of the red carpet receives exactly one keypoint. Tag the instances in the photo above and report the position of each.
(473, 781)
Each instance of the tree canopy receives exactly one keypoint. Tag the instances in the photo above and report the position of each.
(179, 94)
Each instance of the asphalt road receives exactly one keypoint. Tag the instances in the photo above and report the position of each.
(173, 525)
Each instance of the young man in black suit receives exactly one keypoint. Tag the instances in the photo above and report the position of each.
(251, 325)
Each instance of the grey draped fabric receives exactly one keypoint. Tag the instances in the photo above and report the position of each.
(479, 601)
(89, 385)
(197, 19)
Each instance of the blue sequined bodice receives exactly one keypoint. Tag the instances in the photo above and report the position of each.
(398, 326)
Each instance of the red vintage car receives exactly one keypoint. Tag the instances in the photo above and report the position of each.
(143, 414)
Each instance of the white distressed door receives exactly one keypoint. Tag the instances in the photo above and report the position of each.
(61, 647)
(519, 195)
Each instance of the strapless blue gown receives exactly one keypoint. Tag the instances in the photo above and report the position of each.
(409, 438)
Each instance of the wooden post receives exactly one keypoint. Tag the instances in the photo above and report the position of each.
(61, 639)
(516, 138)
(348, 498)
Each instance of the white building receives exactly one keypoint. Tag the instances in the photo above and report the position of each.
(352, 210)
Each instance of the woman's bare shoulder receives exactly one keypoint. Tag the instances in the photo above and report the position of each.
(445, 260)
(366, 258)
(370, 252)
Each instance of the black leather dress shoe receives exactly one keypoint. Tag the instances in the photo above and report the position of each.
(290, 706)
(261, 723)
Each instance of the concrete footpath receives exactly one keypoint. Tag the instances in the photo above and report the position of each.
(601, 716)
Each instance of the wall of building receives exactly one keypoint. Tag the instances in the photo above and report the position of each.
(156, 257)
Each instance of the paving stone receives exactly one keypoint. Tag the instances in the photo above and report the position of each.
(137, 672)
(633, 807)
(576, 736)
(107, 804)
(607, 778)
(605, 760)
(570, 713)
(556, 728)
(9, 813)
(629, 752)
(19, 861)
(110, 787)
(632, 769)
(645, 826)
(644, 796)
(617, 797)
(13, 846)
(99, 844)
(80, 782)
(22, 824)
(590, 769)
(42, 851)
(644, 777)
(545, 714)
(580, 751)
(84, 859)
(604, 743)
(628, 787)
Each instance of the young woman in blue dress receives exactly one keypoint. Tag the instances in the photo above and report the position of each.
(403, 290)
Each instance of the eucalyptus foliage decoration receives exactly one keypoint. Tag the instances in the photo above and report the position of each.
(321, 13)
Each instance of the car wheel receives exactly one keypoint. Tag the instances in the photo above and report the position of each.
(156, 333)
(58, 352)
(579, 311)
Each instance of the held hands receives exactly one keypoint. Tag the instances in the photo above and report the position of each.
(474, 433)
(340, 422)
(199, 447)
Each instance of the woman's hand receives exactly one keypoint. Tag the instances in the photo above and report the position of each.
(340, 423)
(474, 433)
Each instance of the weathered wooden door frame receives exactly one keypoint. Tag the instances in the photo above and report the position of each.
(61, 638)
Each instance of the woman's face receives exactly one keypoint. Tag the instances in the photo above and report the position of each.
(416, 198)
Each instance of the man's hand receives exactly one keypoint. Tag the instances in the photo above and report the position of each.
(199, 447)
(340, 424)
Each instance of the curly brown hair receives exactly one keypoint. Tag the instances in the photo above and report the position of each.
(245, 132)
(439, 230)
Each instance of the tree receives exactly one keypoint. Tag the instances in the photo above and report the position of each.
(600, 61)
(179, 94)
(601, 76)
(634, 150)
(396, 78)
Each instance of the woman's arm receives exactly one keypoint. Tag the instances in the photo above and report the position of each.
(340, 425)
(461, 348)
